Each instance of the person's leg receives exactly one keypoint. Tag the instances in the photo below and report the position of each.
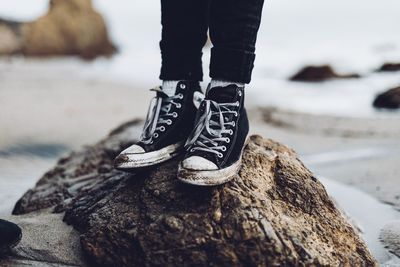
(172, 112)
(184, 33)
(234, 26)
(215, 148)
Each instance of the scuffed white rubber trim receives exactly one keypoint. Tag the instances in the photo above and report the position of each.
(209, 178)
(149, 159)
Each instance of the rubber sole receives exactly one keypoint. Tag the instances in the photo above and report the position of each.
(142, 160)
(210, 177)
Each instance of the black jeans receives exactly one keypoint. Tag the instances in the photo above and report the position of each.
(233, 27)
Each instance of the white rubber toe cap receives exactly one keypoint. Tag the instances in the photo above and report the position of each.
(133, 149)
(199, 164)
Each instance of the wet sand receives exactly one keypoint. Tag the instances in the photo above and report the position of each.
(47, 241)
(49, 102)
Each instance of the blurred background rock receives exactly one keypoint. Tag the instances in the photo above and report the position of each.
(69, 28)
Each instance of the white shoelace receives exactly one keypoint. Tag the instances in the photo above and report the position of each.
(208, 133)
(159, 115)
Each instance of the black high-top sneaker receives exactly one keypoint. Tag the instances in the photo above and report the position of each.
(10, 235)
(214, 149)
(169, 121)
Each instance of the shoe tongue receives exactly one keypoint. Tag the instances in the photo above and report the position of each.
(162, 94)
(226, 94)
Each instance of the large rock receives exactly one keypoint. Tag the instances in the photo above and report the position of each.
(276, 213)
(389, 99)
(10, 41)
(70, 27)
(319, 74)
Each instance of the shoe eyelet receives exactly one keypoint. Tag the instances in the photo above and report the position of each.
(237, 103)
(240, 93)
(180, 96)
(227, 140)
(220, 155)
(231, 132)
(223, 148)
(175, 115)
(236, 114)
(151, 142)
(192, 150)
(169, 122)
(162, 128)
(155, 135)
(178, 105)
(182, 86)
(233, 124)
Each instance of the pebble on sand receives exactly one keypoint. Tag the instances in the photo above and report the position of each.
(389, 99)
(320, 74)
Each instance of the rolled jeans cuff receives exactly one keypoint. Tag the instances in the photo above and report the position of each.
(231, 65)
(181, 66)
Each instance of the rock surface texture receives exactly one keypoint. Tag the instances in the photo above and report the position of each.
(319, 74)
(276, 213)
(389, 99)
(70, 27)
